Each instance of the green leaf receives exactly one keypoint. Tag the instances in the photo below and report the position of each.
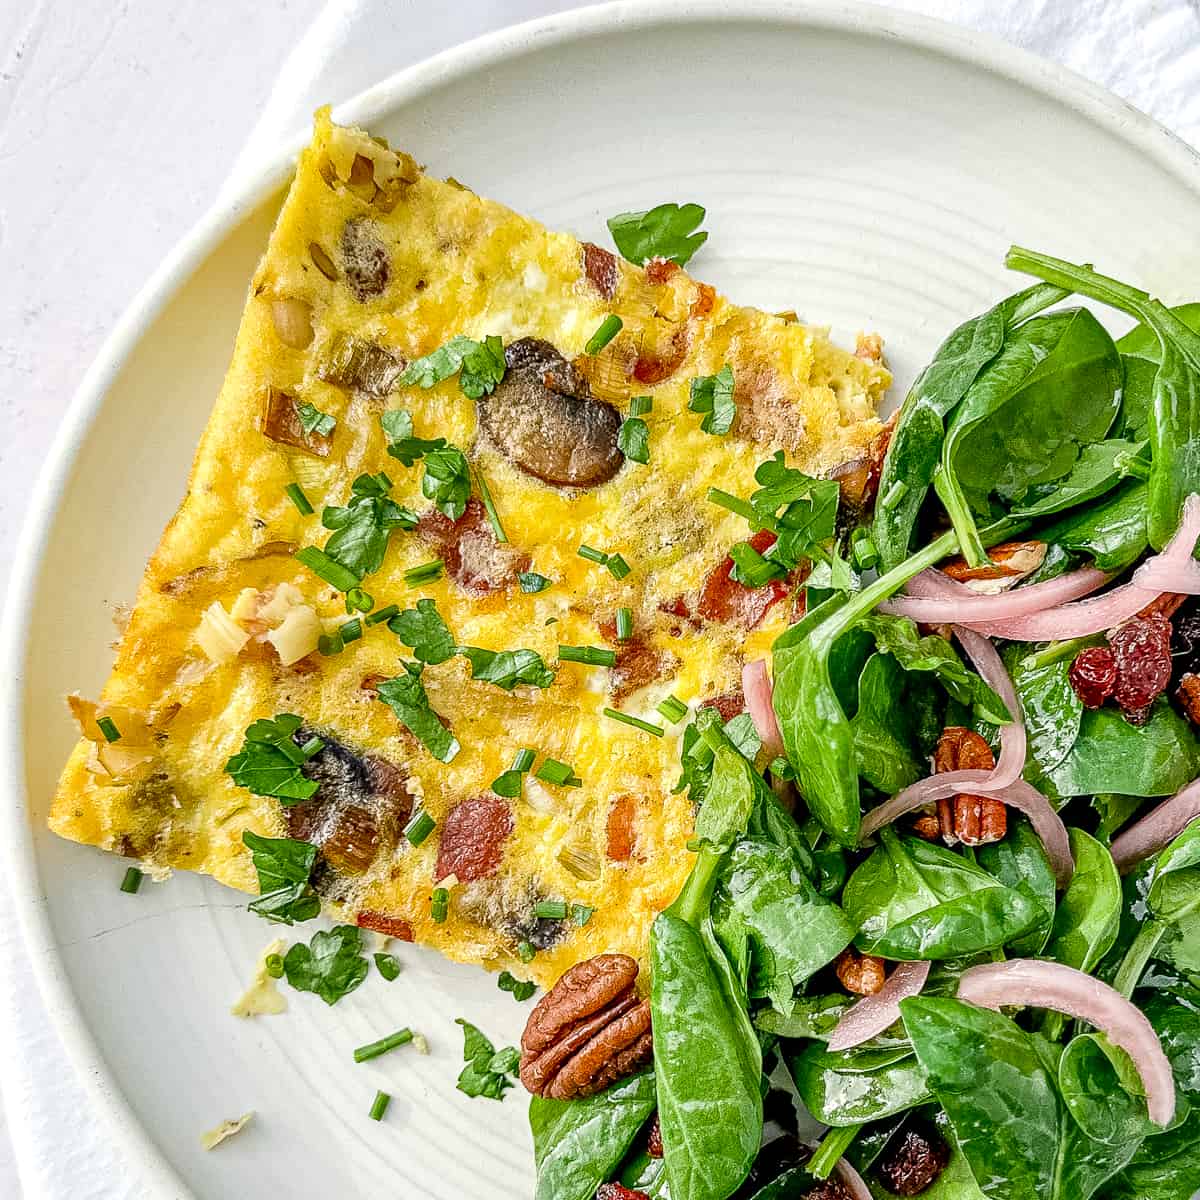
(270, 760)
(447, 480)
(284, 866)
(1174, 899)
(805, 1017)
(800, 509)
(487, 1072)
(1141, 356)
(666, 231)
(423, 629)
(482, 368)
(1099, 468)
(1089, 914)
(1102, 1091)
(877, 1079)
(508, 668)
(713, 396)
(1020, 863)
(405, 696)
(1113, 533)
(332, 965)
(1052, 710)
(885, 740)
(578, 1144)
(313, 420)
(633, 439)
(362, 527)
(481, 364)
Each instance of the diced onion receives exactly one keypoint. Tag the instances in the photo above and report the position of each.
(297, 635)
(873, 1014)
(1031, 983)
(756, 686)
(220, 636)
(1161, 825)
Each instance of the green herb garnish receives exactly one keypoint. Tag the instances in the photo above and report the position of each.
(590, 656)
(480, 365)
(131, 880)
(559, 773)
(419, 827)
(428, 572)
(379, 1106)
(295, 493)
(712, 395)
(423, 629)
(487, 1071)
(550, 910)
(635, 722)
(624, 624)
(388, 966)
(508, 668)
(108, 727)
(673, 709)
(532, 583)
(439, 904)
(405, 695)
(666, 231)
(313, 420)
(270, 760)
(607, 330)
(284, 866)
(331, 965)
(374, 1049)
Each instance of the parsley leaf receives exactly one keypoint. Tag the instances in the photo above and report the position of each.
(398, 427)
(802, 511)
(283, 866)
(270, 760)
(507, 668)
(332, 965)
(481, 365)
(667, 231)
(487, 1071)
(713, 396)
(447, 480)
(423, 629)
(313, 420)
(362, 527)
(531, 582)
(633, 439)
(405, 696)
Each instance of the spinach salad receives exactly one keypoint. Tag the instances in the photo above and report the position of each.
(946, 886)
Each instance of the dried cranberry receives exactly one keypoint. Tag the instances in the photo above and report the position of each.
(654, 1146)
(618, 1191)
(912, 1160)
(1142, 648)
(1093, 675)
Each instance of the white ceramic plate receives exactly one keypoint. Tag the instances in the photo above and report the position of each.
(864, 167)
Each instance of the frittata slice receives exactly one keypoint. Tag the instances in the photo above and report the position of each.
(372, 266)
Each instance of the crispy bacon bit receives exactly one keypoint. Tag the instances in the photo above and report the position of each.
(618, 1191)
(281, 423)
(729, 704)
(682, 611)
(474, 559)
(394, 927)
(705, 301)
(1188, 696)
(638, 664)
(659, 270)
(722, 599)
(622, 836)
(472, 841)
(601, 269)
(658, 364)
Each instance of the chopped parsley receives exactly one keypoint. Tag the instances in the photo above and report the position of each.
(488, 1071)
(666, 231)
(507, 668)
(447, 480)
(313, 420)
(361, 529)
(423, 629)
(480, 365)
(531, 582)
(388, 965)
(332, 965)
(712, 395)
(633, 439)
(520, 989)
(270, 760)
(405, 696)
(284, 866)
(398, 428)
(606, 331)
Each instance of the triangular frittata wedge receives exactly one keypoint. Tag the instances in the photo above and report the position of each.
(371, 266)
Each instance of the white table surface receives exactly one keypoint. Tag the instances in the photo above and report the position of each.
(119, 121)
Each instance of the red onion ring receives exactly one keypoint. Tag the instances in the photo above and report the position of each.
(1029, 982)
(973, 608)
(873, 1014)
(1014, 742)
(756, 686)
(1157, 828)
(1158, 575)
(1084, 617)
(855, 1184)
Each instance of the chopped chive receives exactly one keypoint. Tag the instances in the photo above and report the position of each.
(350, 631)
(374, 1049)
(388, 966)
(108, 727)
(314, 745)
(383, 614)
(419, 828)
(508, 784)
(274, 965)
(489, 505)
(379, 1107)
(639, 406)
(636, 722)
(439, 904)
(326, 568)
(553, 771)
(295, 493)
(425, 573)
(532, 582)
(330, 643)
(894, 494)
(550, 910)
(863, 551)
(592, 555)
(624, 624)
(523, 760)
(591, 656)
(743, 508)
(526, 951)
(617, 566)
(673, 709)
(359, 601)
(581, 914)
(608, 329)
(132, 881)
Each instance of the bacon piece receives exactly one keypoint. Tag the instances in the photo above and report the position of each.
(656, 365)
(659, 270)
(395, 927)
(638, 663)
(622, 836)
(601, 269)
(474, 559)
(728, 704)
(472, 840)
(706, 299)
(723, 599)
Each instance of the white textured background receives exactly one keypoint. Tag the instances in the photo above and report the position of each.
(119, 121)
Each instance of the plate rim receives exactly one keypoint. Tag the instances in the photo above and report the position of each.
(987, 52)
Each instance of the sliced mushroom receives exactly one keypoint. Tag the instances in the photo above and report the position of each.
(365, 259)
(544, 419)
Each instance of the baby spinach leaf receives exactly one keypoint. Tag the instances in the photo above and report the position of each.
(1141, 356)
(763, 894)
(1174, 899)
(998, 1086)
(709, 1101)
(916, 446)
(804, 1017)
(487, 1071)
(405, 695)
(1019, 862)
(577, 1144)
(915, 900)
(848, 1087)
(423, 629)
(283, 866)
(1112, 533)
(1099, 468)
(886, 750)
(1089, 913)
(1052, 710)
(332, 965)
(1102, 1091)
(1115, 811)
(1052, 389)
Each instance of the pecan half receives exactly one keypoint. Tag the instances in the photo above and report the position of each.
(862, 974)
(588, 1031)
(1188, 696)
(1007, 565)
(972, 820)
